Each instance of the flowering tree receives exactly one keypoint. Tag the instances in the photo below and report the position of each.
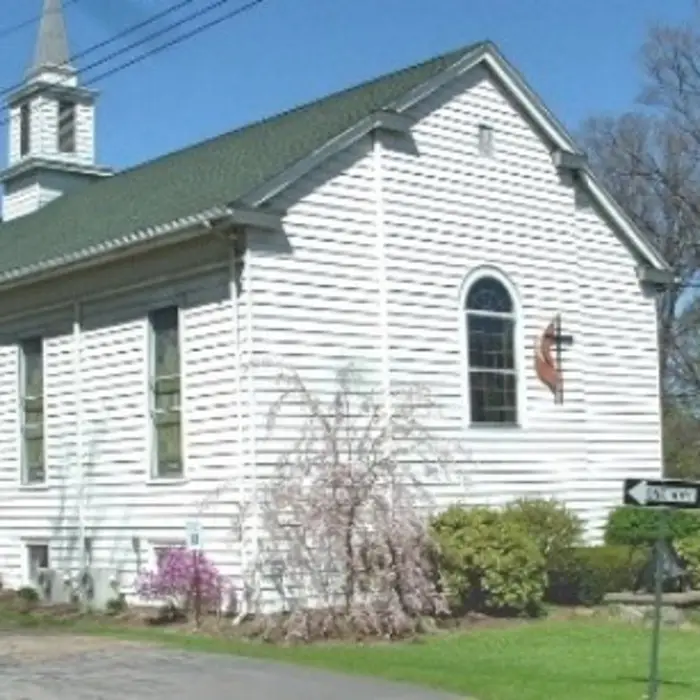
(184, 578)
(345, 510)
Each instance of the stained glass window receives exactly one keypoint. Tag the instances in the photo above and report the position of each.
(491, 353)
(32, 402)
(165, 390)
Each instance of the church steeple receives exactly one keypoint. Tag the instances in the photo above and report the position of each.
(52, 125)
(51, 50)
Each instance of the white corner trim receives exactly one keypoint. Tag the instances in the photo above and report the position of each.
(496, 432)
(382, 292)
(79, 457)
(251, 396)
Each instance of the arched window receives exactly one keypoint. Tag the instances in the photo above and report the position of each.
(490, 324)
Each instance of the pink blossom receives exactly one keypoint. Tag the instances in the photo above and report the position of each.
(181, 576)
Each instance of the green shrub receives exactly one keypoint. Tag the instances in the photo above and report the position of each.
(116, 606)
(28, 594)
(590, 572)
(689, 549)
(553, 527)
(629, 525)
(488, 563)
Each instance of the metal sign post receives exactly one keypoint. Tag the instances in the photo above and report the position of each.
(663, 495)
(658, 595)
(193, 535)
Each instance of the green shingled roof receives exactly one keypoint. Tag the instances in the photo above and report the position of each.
(209, 174)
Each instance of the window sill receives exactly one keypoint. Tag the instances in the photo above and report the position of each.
(34, 487)
(494, 431)
(166, 480)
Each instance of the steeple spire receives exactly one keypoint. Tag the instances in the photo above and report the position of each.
(52, 43)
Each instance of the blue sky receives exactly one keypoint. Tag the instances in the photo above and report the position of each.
(581, 56)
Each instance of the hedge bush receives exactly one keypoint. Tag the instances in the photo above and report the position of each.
(553, 527)
(689, 549)
(628, 525)
(488, 563)
(588, 573)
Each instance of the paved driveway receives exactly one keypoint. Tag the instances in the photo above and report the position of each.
(67, 668)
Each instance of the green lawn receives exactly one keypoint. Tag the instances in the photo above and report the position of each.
(576, 660)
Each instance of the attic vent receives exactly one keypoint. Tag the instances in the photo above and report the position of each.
(485, 140)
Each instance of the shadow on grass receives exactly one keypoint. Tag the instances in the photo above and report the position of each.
(662, 682)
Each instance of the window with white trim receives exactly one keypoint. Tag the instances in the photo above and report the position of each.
(492, 374)
(37, 559)
(32, 411)
(165, 389)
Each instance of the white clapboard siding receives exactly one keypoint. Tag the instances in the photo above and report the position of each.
(110, 487)
(369, 270)
(446, 212)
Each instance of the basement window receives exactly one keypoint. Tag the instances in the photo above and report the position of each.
(37, 559)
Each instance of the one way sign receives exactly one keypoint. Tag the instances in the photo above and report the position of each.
(662, 492)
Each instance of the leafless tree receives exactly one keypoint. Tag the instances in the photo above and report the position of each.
(650, 160)
(347, 510)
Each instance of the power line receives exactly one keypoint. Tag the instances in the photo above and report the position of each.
(179, 39)
(96, 47)
(7, 31)
(162, 47)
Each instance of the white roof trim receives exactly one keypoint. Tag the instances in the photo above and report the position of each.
(533, 106)
(383, 119)
(548, 123)
(619, 217)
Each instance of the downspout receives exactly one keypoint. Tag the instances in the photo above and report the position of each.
(380, 234)
(77, 381)
(252, 415)
(382, 291)
(234, 263)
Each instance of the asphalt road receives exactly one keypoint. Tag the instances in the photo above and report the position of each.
(53, 670)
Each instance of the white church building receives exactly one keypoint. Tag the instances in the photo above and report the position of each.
(429, 226)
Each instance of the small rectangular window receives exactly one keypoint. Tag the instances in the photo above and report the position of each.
(66, 126)
(32, 411)
(37, 559)
(166, 393)
(485, 140)
(24, 128)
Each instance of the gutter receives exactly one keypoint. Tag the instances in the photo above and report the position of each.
(141, 240)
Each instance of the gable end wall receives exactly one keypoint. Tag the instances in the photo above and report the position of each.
(446, 211)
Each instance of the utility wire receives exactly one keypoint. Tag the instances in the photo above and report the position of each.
(179, 39)
(13, 28)
(96, 47)
(162, 47)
